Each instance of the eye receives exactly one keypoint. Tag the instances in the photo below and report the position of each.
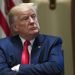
(33, 16)
(26, 18)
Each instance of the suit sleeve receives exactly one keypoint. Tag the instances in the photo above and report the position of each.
(54, 65)
(4, 68)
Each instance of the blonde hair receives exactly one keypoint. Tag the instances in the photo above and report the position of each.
(21, 7)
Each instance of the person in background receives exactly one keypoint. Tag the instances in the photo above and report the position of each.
(28, 52)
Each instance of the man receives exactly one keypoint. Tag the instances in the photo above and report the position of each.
(45, 52)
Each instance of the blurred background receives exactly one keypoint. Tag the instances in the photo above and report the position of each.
(55, 19)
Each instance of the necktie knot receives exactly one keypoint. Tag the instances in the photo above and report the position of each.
(26, 43)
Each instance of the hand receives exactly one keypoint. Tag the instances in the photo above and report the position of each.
(16, 68)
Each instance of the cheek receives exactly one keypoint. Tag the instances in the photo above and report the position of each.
(20, 28)
(37, 23)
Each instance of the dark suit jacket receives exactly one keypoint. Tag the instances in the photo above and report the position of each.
(46, 56)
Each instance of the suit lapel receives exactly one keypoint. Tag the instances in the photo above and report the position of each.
(36, 50)
(16, 41)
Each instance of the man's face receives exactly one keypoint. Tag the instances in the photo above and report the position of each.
(26, 23)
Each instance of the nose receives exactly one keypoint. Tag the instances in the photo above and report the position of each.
(31, 19)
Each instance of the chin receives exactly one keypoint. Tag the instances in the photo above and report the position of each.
(34, 33)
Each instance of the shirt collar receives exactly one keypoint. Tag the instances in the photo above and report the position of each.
(31, 41)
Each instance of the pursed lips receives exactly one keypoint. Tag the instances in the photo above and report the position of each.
(33, 28)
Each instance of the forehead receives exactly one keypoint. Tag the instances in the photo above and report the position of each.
(26, 12)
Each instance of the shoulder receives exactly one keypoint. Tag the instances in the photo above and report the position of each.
(6, 41)
(50, 38)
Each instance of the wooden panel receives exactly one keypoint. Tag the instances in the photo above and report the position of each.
(73, 28)
(26, 1)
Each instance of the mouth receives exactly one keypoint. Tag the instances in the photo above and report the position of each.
(33, 28)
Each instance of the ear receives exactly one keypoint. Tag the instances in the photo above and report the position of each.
(14, 27)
